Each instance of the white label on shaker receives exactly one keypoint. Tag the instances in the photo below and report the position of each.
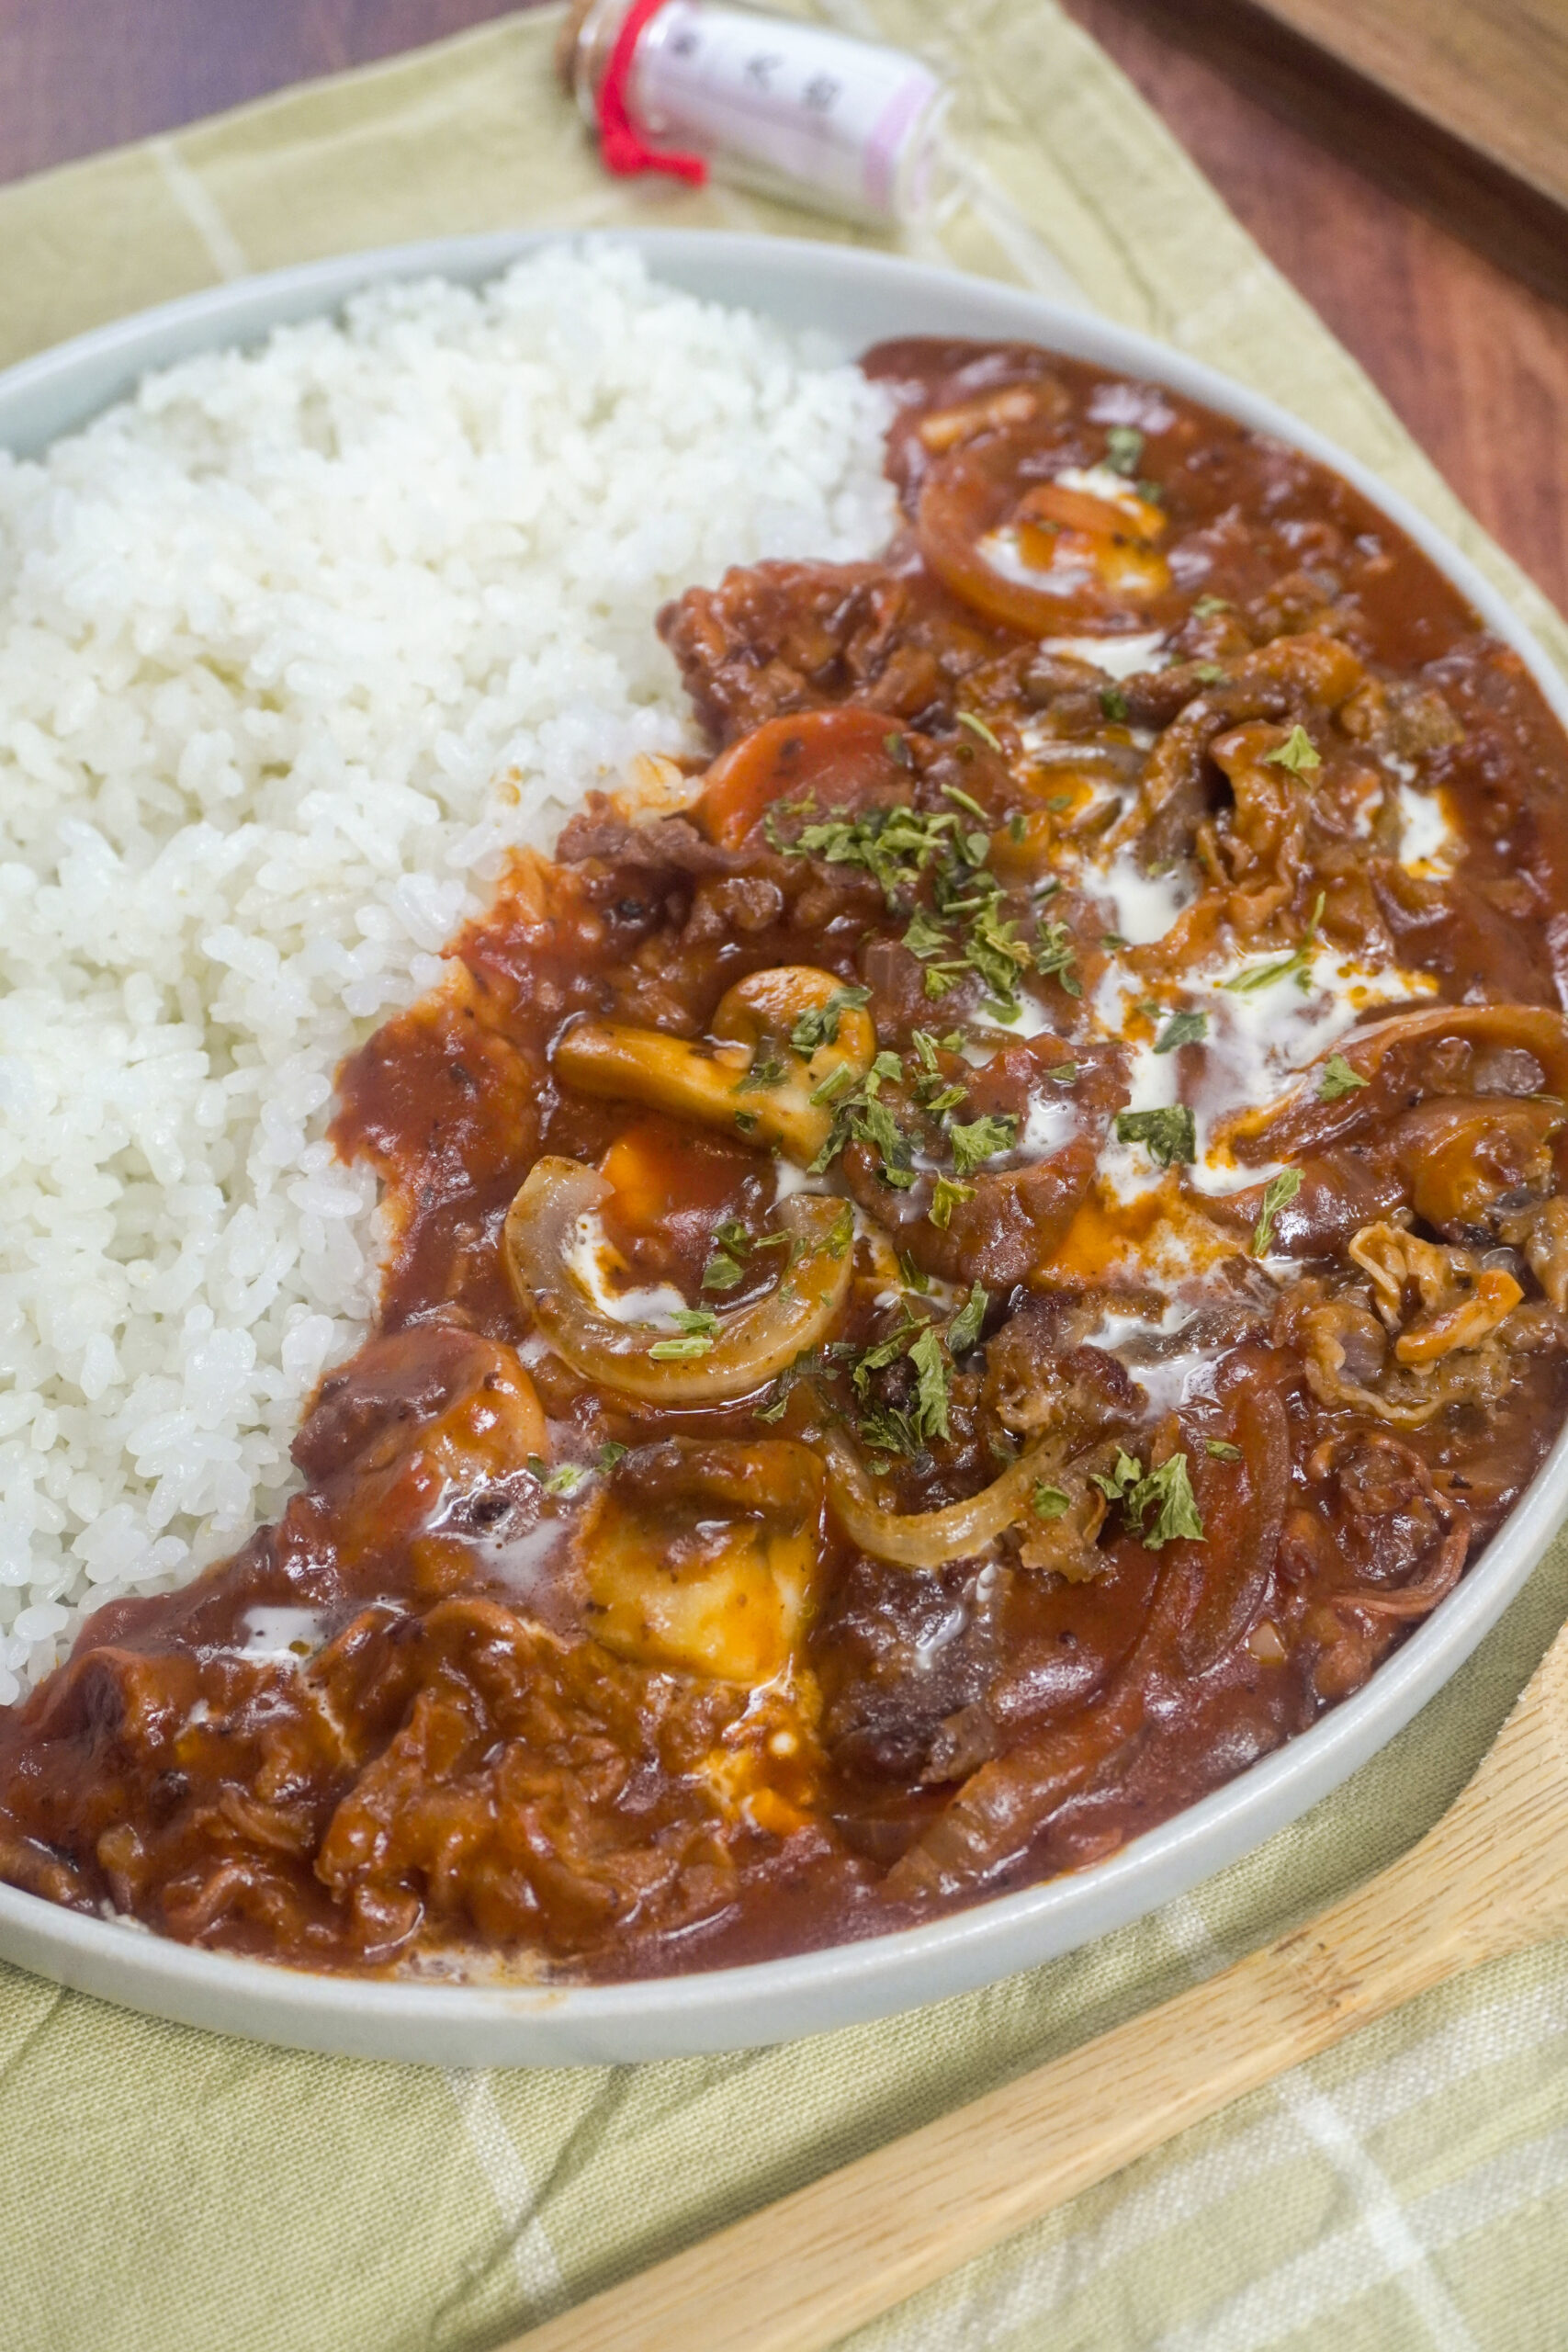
(814, 105)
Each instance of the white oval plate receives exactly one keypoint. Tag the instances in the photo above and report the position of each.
(857, 299)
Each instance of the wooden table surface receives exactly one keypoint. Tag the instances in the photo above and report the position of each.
(1475, 363)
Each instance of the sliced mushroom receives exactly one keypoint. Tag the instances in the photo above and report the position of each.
(750, 1345)
(702, 1555)
(748, 1081)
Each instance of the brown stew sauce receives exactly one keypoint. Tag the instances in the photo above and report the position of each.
(586, 1650)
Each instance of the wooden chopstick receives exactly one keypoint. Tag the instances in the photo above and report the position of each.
(1491, 1878)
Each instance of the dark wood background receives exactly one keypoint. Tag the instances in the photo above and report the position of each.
(1418, 260)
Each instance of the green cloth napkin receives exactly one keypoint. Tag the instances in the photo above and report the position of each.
(170, 2189)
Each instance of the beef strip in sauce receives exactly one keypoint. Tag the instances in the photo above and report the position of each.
(942, 1302)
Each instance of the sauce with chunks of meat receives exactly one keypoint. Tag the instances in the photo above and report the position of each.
(941, 1300)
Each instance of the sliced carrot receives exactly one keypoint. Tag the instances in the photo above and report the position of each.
(1080, 510)
(831, 756)
(658, 1170)
(644, 1167)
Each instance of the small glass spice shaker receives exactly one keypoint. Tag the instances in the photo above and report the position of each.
(790, 109)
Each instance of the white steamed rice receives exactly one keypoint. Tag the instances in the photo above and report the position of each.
(272, 635)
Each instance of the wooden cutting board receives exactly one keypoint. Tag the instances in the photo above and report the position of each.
(1459, 107)
(1493, 73)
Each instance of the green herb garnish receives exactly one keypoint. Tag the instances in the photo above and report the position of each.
(565, 1479)
(1055, 958)
(1337, 1078)
(1181, 1029)
(963, 929)
(1119, 1481)
(1298, 963)
(838, 1080)
(883, 1352)
(978, 727)
(981, 1140)
(1168, 1492)
(876, 1125)
(1297, 752)
(889, 1429)
(945, 1197)
(896, 846)
(931, 1384)
(860, 1117)
(1264, 975)
(819, 1026)
(963, 1330)
(1278, 1190)
(1123, 449)
(997, 953)
(697, 1326)
(1169, 1136)
(810, 1364)
(967, 800)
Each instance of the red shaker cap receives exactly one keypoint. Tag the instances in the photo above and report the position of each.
(621, 143)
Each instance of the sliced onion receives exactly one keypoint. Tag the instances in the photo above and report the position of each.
(753, 1343)
(929, 1539)
(1245, 1517)
(1535, 1027)
(1420, 1597)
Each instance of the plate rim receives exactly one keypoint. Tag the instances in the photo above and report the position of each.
(428, 2020)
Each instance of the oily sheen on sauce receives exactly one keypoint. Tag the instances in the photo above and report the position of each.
(943, 1298)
